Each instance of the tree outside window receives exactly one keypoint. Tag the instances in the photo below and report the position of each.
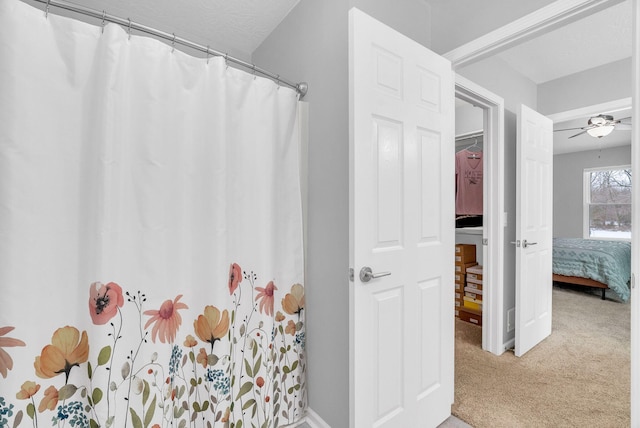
(608, 203)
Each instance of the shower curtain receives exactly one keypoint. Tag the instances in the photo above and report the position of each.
(151, 263)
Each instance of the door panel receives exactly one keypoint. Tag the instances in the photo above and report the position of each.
(401, 104)
(534, 216)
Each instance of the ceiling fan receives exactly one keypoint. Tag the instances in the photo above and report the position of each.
(600, 126)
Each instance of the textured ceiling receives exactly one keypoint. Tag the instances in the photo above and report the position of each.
(596, 40)
(236, 27)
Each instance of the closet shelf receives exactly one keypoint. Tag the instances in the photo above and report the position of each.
(477, 230)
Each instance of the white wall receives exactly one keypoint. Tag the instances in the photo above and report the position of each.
(469, 119)
(498, 77)
(568, 185)
(311, 45)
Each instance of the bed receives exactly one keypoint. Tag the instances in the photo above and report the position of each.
(593, 263)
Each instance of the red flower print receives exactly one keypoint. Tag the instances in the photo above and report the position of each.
(50, 400)
(290, 328)
(260, 381)
(6, 363)
(266, 298)
(203, 358)
(104, 301)
(165, 320)
(235, 277)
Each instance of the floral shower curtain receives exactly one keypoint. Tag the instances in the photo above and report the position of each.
(151, 264)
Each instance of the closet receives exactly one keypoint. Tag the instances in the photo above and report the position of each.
(469, 213)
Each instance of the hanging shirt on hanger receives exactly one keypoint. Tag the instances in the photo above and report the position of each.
(468, 183)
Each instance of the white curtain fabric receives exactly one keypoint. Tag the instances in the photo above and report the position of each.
(151, 263)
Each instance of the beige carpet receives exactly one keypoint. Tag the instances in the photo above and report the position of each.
(577, 377)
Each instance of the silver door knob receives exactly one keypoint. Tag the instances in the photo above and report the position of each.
(526, 244)
(366, 274)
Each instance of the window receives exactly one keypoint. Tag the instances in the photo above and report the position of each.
(607, 203)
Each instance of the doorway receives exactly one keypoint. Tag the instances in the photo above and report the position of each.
(536, 24)
(492, 237)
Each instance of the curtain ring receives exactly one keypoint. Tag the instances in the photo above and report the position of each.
(104, 15)
(173, 43)
(46, 10)
(129, 31)
(226, 60)
(207, 54)
(278, 81)
(253, 66)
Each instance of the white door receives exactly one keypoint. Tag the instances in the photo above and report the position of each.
(534, 216)
(401, 104)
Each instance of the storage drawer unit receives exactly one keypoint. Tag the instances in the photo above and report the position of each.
(474, 317)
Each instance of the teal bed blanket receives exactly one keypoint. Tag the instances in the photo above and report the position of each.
(608, 262)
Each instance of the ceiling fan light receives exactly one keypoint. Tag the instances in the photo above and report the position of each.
(600, 131)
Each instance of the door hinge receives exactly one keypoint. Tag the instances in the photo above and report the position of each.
(351, 274)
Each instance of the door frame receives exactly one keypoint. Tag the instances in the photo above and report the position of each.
(493, 215)
(552, 16)
(541, 21)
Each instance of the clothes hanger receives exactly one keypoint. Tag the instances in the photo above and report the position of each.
(473, 154)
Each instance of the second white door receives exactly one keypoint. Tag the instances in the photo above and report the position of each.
(534, 233)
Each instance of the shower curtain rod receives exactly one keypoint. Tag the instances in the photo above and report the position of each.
(301, 87)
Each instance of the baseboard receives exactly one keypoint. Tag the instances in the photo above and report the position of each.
(315, 421)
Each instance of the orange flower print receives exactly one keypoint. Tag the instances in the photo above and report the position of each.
(166, 320)
(104, 301)
(67, 349)
(260, 381)
(227, 413)
(279, 316)
(266, 298)
(50, 400)
(293, 303)
(27, 390)
(290, 328)
(203, 358)
(235, 277)
(190, 341)
(212, 325)
(6, 363)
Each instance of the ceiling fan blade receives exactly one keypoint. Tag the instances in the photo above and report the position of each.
(620, 120)
(569, 129)
(622, 127)
(579, 133)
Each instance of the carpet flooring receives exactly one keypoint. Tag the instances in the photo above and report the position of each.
(577, 377)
